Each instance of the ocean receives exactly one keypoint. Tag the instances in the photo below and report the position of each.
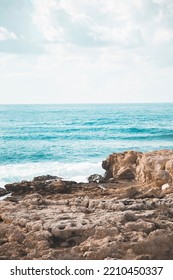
(71, 140)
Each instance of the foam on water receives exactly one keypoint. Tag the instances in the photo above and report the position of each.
(69, 171)
(71, 140)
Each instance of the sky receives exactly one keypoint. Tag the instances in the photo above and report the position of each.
(83, 51)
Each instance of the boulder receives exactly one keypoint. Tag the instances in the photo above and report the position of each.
(95, 178)
(3, 192)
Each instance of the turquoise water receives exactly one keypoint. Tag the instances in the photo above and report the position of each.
(72, 140)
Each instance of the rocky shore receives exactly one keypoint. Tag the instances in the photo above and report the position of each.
(127, 214)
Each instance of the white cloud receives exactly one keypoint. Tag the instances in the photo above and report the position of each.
(6, 35)
(44, 19)
(163, 35)
(127, 24)
(94, 51)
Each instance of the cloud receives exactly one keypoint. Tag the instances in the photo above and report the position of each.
(43, 18)
(16, 21)
(98, 23)
(83, 50)
(141, 25)
(6, 35)
(163, 35)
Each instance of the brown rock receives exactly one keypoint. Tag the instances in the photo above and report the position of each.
(143, 226)
(158, 245)
(169, 166)
(126, 173)
(16, 236)
(127, 219)
(162, 177)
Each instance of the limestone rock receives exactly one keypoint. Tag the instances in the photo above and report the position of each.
(116, 161)
(165, 187)
(130, 217)
(162, 177)
(153, 167)
(169, 166)
(126, 173)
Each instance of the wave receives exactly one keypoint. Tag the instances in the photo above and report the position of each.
(78, 171)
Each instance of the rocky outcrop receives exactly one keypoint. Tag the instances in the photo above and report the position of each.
(42, 184)
(121, 165)
(128, 214)
(152, 167)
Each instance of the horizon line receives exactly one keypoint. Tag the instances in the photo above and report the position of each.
(88, 103)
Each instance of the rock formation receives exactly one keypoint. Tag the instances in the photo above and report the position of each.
(152, 167)
(124, 215)
(3, 192)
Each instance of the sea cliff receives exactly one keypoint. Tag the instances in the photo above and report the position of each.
(126, 214)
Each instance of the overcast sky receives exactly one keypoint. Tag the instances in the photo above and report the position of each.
(86, 51)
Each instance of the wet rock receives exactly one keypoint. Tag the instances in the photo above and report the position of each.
(21, 187)
(56, 186)
(50, 184)
(45, 178)
(95, 178)
(3, 192)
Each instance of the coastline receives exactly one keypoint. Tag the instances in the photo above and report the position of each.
(121, 215)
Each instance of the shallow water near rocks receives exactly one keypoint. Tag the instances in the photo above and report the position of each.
(72, 140)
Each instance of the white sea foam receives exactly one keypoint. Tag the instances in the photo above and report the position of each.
(69, 171)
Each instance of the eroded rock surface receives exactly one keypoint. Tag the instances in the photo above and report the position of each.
(128, 215)
(152, 167)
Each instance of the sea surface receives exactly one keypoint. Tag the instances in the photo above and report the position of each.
(72, 140)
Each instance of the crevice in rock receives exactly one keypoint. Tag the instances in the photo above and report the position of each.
(56, 242)
(73, 240)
